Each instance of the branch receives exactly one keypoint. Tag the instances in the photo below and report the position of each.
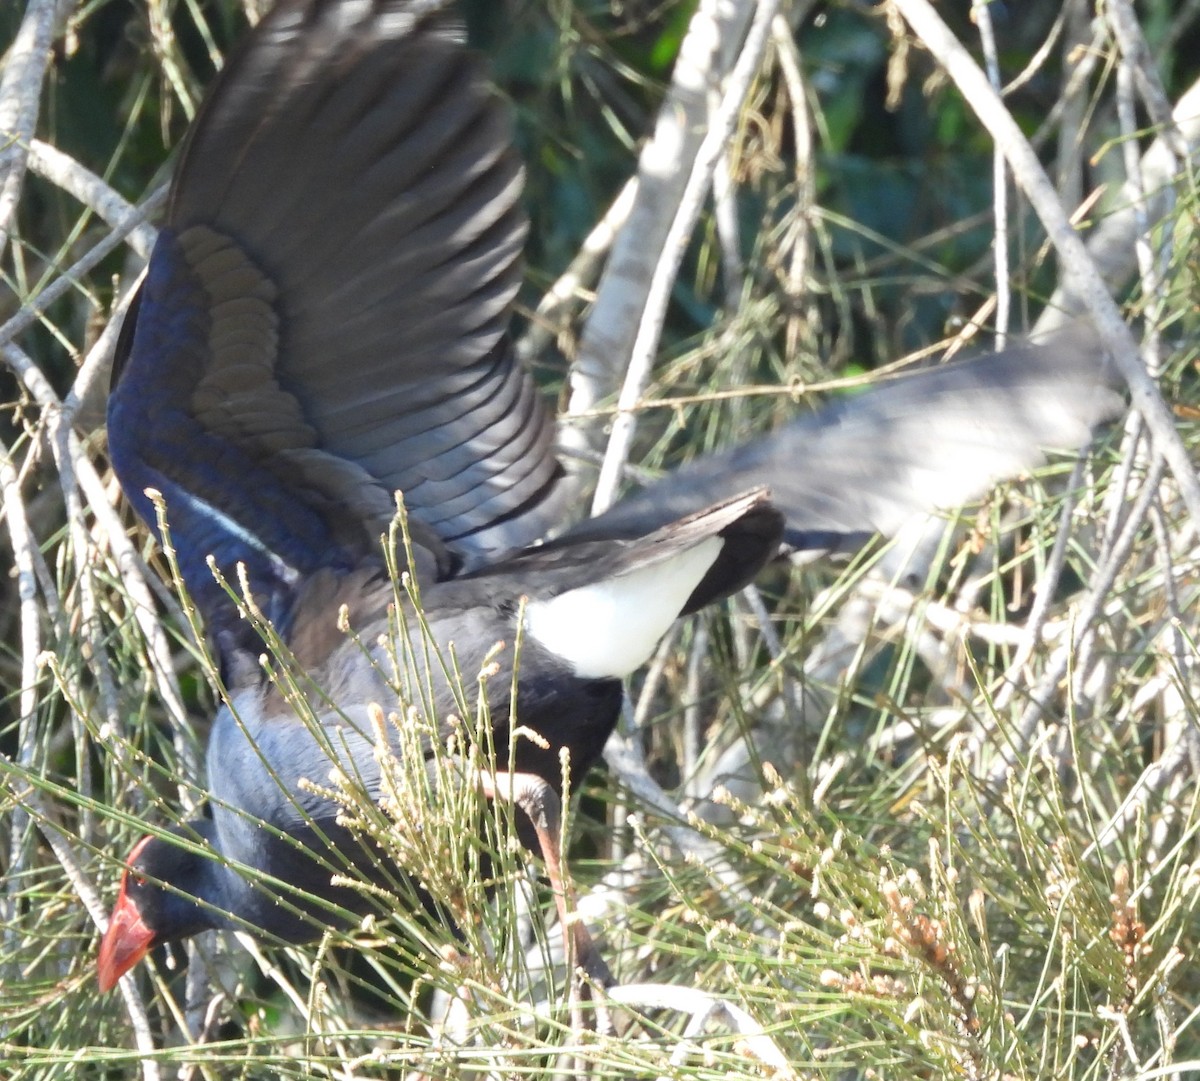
(1077, 265)
(81, 183)
(665, 169)
(25, 67)
(695, 190)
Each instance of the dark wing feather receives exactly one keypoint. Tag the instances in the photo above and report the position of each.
(747, 521)
(325, 319)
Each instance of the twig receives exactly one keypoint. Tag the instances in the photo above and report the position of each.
(725, 214)
(76, 467)
(25, 65)
(81, 183)
(1090, 609)
(662, 280)
(663, 170)
(1184, 16)
(792, 696)
(1136, 54)
(1112, 244)
(1147, 262)
(23, 545)
(692, 736)
(1042, 56)
(702, 1005)
(1081, 53)
(1043, 594)
(1171, 765)
(90, 380)
(801, 249)
(576, 277)
(1077, 265)
(623, 758)
(981, 13)
(31, 311)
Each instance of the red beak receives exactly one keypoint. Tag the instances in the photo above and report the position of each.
(127, 939)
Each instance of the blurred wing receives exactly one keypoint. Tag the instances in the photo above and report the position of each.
(868, 463)
(325, 315)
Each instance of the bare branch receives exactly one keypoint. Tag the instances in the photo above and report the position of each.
(649, 327)
(1077, 264)
(20, 100)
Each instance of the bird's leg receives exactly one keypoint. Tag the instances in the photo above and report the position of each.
(541, 804)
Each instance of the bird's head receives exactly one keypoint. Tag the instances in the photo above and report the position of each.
(160, 899)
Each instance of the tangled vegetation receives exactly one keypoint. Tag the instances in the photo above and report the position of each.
(941, 825)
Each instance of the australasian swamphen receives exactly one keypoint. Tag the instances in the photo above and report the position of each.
(324, 321)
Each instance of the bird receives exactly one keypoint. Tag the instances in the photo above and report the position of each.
(325, 322)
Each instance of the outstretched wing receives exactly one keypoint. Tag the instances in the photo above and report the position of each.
(868, 463)
(325, 315)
